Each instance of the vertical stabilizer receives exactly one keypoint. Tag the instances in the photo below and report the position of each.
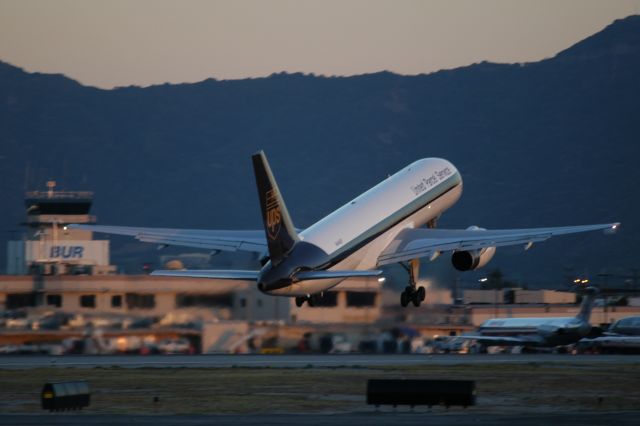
(587, 304)
(280, 232)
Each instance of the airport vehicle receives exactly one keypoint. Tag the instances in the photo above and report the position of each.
(447, 345)
(174, 346)
(384, 225)
(537, 332)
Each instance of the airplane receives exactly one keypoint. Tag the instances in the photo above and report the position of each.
(628, 326)
(623, 336)
(393, 222)
(537, 332)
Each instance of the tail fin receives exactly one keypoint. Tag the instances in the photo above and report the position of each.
(280, 232)
(587, 304)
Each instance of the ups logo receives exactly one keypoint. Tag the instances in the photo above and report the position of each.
(273, 214)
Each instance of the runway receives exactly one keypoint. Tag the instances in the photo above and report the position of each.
(353, 419)
(299, 361)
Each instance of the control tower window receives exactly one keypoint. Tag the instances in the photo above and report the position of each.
(54, 300)
(88, 300)
(116, 301)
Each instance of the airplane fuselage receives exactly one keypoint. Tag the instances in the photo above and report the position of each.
(353, 236)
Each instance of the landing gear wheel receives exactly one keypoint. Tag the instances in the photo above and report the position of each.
(415, 298)
(412, 293)
(300, 301)
(404, 299)
(311, 301)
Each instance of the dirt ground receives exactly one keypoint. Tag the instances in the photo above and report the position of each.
(507, 388)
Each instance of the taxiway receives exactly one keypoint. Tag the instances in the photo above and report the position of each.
(299, 361)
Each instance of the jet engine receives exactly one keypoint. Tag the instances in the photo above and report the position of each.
(578, 328)
(473, 259)
(464, 260)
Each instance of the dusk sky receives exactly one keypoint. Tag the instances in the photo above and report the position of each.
(144, 42)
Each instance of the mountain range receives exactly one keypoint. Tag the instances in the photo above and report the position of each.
(546, 143)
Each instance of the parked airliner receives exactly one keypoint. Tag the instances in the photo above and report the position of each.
(393, 222)
(537, 332)
(622, 337)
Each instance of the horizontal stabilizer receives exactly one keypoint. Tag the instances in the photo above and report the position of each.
(321, 275)
(206, 273)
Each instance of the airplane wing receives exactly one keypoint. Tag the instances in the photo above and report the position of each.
(414, 243)
(530, 340)
(253, 241)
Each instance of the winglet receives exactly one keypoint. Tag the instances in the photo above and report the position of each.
(613, 228)
(278, 227)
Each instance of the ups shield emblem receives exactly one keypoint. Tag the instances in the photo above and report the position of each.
(273, 214)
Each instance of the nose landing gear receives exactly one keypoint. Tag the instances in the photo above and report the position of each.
(412, 293)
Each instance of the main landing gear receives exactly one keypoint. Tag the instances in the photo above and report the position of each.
(312, 300)
(412, 293)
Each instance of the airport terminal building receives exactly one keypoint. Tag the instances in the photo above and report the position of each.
(58, 267)
(55, 270)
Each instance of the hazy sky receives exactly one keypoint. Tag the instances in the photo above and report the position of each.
(110, 43)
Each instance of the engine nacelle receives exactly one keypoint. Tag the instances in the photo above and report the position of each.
(464, 260)
(580, 329)
(473, 259)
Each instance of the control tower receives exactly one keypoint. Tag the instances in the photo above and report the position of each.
(50, 248)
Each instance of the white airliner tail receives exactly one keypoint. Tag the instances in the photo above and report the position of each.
(587, 304)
